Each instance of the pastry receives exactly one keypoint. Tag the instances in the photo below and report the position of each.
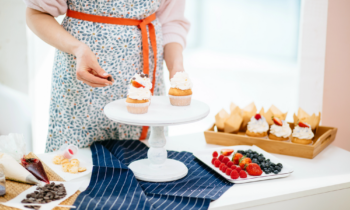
(234, 121)
(66, 167)
(64, 161)
(247, 113)
(180, 92)
(75, 162)
(280, 130)
(57, 159)
(257, 126)
(74, 170)
(81, 169)
(302, 134)
(139, 94)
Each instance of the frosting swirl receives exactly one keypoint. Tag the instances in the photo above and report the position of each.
(303, 133)
(258, 126)
(181, 81)
(281, 131)
(140, 93)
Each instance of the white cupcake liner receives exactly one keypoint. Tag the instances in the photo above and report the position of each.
(180, 100)
(137, 108)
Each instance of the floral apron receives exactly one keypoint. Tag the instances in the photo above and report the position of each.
(76, 109)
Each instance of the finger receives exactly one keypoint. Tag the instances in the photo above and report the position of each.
(95, 85)
(88, 77)
(99, 71)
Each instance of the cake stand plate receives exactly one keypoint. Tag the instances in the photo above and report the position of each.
(157, 168)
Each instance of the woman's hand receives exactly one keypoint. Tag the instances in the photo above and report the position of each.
(88, 70)
(173, 58)
(47, 28)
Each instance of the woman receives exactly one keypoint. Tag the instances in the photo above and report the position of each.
(100, 46)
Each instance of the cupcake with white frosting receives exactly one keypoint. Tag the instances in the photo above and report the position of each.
(180, 92)
(302, 134)
(139, 94)
(257, 126)
(280, 130)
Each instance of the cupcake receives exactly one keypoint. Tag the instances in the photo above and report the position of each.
(280, 130)
(257, 126)
(139, 94)
(180, 92)
(302, 134)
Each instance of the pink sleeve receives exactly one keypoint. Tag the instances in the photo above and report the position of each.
(53, 7)
(174, 24)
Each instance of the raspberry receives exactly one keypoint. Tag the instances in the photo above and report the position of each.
(243, 174)
(238, 169)
(233, 167)
(215, 154)
(221, 157)
(217, 163)
(225, 160)
(229, 164)
(224, 168)
(234, 174)
(221, 165)
(228, 171)
(213, 160)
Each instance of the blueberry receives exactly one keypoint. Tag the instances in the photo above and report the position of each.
(275, 172)
(260, 158)
(268, 160)
(272, 164)
(280, 165)
(267, 171)
(263, 164)
(267, 164)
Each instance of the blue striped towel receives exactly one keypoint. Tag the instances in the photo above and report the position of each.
(114, 186)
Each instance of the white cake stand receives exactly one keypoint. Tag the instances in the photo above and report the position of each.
(157, 168)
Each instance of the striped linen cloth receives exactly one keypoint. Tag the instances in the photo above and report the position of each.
(114, 186)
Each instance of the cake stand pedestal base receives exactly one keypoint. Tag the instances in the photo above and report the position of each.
(171, 170)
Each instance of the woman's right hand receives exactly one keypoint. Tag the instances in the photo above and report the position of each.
(88, 70)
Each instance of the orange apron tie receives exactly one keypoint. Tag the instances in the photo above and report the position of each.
(142, 24)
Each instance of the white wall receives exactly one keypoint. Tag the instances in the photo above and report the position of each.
(13, 45)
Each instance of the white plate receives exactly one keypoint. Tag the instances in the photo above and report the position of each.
(47, 159)
(71, 188)
(207, 155)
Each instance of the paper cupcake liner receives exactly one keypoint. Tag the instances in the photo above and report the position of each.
(180, 100)
(137, 108)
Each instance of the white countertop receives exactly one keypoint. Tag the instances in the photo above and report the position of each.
(327, 172)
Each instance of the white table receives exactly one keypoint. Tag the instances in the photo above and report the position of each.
(320, 183)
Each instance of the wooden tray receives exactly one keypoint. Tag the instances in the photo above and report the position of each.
(324, 136)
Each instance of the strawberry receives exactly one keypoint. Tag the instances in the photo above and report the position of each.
(234, 174)
(233, 167)
(217, 163)
(213, 160)
(229, 164)
(225, 160)
(254, 169)
(226, 152)
(221, 165)
(228, 171)
(243, 162)
(236, 158)
(238, 169)
(215, 154)
(242, 174)
(258, 116)
(221, 157)
(136, 84)
(277, 121)
(303, 125)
